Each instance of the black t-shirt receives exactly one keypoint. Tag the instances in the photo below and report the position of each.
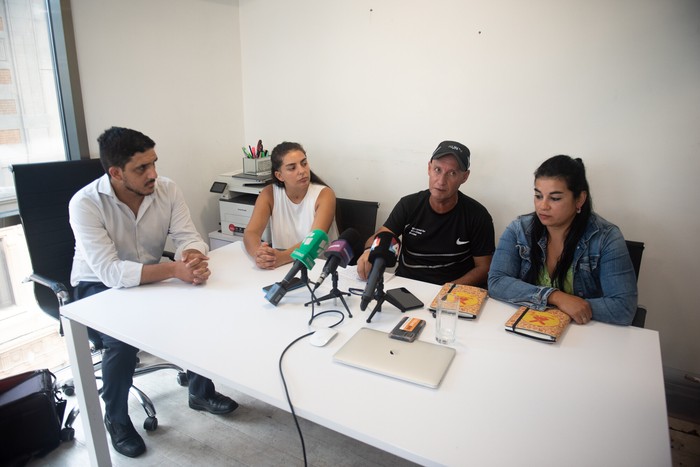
(440, 248)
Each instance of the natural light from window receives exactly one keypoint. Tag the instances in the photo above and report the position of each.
(30, 124)
(30, 131)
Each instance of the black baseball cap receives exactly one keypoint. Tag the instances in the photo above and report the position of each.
(460, 151)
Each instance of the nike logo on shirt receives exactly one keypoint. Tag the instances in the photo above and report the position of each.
(459, 242)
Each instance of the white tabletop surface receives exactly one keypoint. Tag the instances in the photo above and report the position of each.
(594, 398)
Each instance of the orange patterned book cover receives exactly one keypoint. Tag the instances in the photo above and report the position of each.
(547, 325)
(471, 299)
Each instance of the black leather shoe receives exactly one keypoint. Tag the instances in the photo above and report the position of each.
(125, 439)
(217, 404)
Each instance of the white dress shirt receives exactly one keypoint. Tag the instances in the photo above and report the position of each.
(112, 245)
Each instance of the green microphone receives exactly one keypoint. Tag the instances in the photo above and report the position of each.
(311, 248)
(304, 257)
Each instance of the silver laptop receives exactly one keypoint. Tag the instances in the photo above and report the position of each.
(416, 362)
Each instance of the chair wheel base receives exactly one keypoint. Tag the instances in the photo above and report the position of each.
(67, 434)
(182, 379)
(150, 424)
(68, 388)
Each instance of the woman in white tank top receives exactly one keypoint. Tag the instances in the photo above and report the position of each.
(296, 203)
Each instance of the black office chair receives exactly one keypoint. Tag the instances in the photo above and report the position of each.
(43, 193)
(636, 249)
(360, 215)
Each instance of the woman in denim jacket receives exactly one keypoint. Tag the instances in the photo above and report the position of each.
(580, 263)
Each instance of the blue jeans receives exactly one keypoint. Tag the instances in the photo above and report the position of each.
(118, 365)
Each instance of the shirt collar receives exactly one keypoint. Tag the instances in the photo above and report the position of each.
(104, 186)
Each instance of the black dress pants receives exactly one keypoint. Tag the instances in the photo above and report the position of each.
(119, 363)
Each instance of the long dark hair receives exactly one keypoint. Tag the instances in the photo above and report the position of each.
(573, 172)
(277, 156)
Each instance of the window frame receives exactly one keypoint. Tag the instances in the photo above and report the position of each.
(68, 80)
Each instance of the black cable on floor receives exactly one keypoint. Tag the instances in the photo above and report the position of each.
(284, 382)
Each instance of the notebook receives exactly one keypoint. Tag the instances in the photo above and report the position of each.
(417, 362)
(471, 299)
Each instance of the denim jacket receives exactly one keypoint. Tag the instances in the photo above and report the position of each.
(602, 270)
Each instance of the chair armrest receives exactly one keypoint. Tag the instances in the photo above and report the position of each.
(56, 287)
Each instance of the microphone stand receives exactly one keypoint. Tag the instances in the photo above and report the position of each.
(379, 296)
(305, 278)
(334, 293)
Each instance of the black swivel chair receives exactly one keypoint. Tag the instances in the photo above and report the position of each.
(636, 249)
(43, 193)
(360, 215)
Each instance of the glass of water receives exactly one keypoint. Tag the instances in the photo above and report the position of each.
(446, 318)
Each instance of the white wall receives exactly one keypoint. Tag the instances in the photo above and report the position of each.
(171, 69)
(371, 87)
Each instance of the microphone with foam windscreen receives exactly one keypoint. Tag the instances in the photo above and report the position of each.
(384, 252)
(309, 249)
(340, 253)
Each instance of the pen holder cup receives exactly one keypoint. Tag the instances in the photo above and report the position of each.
(261, 166)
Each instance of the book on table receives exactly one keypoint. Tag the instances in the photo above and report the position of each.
(546, 325)
(471, 299)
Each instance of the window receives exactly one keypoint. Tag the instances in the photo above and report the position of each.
(38, 116)
(41, 119)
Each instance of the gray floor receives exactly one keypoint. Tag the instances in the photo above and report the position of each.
(255, 434)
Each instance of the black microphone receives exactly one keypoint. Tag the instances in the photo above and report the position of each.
(340, 253)
(304, 256)
(384, 252)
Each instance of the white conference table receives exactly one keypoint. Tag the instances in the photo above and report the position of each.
(594, 398)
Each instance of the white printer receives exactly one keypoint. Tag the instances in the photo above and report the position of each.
(238, 195)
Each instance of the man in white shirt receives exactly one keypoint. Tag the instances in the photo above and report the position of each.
(121, 222)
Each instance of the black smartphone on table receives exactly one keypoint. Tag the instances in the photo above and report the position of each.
(402, 299)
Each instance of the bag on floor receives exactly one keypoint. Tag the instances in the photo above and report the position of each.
(31, 412)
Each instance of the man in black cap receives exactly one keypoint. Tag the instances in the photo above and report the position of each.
(446, 235)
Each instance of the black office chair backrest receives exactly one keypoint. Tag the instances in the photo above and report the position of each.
(43, 193)
(360, 215)
(635, 250)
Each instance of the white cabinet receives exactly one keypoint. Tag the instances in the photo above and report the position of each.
(217, 239)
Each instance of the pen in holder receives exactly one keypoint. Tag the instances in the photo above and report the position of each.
(261, 166)
(256, 160)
